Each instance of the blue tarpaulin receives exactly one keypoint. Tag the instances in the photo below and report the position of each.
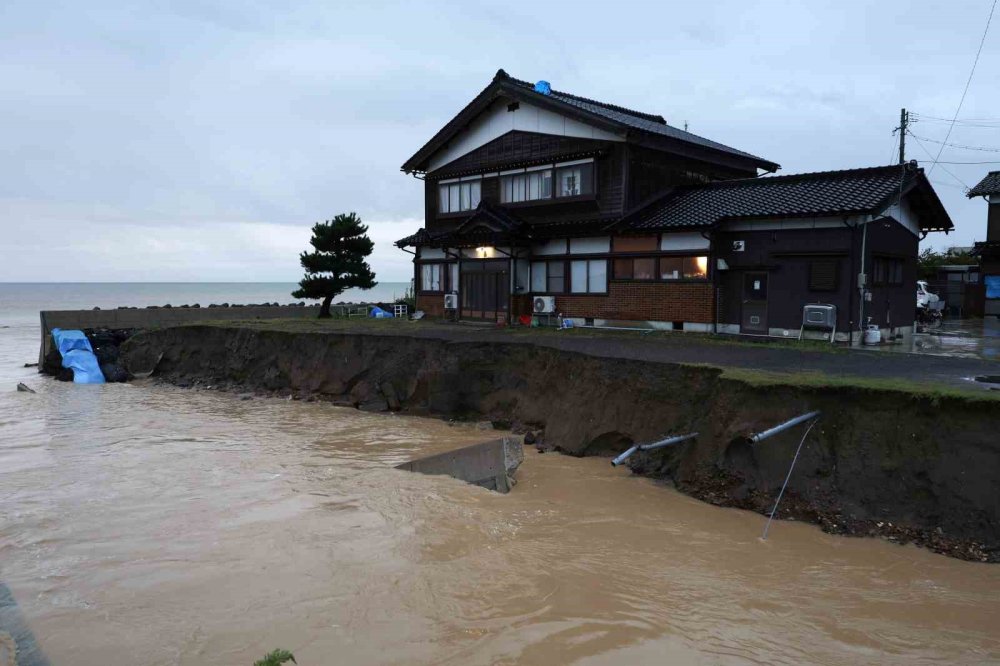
(78, 356)
(379, 313)
(992, 286)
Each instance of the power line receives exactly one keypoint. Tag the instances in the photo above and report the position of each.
(987, 162)
(968, 82)
(921, 117)
(934, 162)
(957, 145)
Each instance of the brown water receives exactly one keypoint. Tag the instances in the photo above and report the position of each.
(144, 524)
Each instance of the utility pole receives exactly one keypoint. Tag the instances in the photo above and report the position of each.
(904, 120)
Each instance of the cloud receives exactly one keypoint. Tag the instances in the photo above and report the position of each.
(203, 138)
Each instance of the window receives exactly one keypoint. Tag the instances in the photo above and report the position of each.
(430, 277)
(671, 268)
(695, 268)
(456, 197)
(589, 276)
(643, 268)
(538, 276)
(823, 275)
(529, 186)
(548, 277)
(556, 282)
(664, 268)
(575, 181)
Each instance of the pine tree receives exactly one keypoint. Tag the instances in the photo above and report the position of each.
(337, 262)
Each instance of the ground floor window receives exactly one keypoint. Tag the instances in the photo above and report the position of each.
(548, 277)
(823, 274)
(431, 277)
(589, 276)
(662, 268)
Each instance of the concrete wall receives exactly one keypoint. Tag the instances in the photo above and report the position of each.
(156, 317)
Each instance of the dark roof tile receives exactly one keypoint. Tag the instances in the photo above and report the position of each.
(988, 185)
(809, 194)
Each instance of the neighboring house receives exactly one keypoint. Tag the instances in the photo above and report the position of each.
(623, 219)
(988, 251)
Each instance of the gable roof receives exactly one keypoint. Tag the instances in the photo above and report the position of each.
(601, 114)
(988, 185)
(826, 193)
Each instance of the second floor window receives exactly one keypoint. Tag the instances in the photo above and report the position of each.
(456, 197)
(574, 180)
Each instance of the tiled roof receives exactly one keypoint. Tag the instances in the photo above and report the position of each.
(647, 122)
(988, 185)
(602, 112)
(809, 194)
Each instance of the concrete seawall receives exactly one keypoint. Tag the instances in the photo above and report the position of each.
(144, 318)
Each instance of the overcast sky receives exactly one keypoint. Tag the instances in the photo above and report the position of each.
(200, 140)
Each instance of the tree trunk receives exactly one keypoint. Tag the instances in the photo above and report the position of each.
(324, 310)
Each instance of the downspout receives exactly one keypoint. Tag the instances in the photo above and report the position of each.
(513, 281)
(708, 235)
(862, 288)
(854, 277)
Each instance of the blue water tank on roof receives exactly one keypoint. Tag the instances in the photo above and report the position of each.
(543, 87)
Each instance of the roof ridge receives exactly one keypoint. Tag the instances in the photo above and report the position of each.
(735, 182)
(652, 117)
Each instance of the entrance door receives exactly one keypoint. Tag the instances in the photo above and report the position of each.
(485, 290)
(754, 319)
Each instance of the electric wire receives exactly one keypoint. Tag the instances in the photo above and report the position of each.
(934, 161)
(982, 149)
(787, 477)
(968, 83)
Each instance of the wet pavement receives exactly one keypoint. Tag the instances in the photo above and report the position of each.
(961, 338)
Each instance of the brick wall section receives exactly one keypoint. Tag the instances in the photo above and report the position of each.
(689, 301)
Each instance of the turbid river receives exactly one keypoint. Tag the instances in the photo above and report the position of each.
(144, 524)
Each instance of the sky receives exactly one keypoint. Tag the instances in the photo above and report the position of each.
(199, 141)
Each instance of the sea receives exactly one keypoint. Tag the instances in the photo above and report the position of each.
(20, 303)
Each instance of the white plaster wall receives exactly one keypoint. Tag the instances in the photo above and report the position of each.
(685, 240)
(903, 213)
(590, 245)
(791, 223)
(522, 281)
(496, 121)
(557, 246)
(431, 253)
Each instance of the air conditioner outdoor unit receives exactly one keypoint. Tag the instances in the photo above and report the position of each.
(543, 304)
(451, 301)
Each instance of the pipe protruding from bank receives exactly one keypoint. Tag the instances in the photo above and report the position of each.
(771, 432)
(649, 447)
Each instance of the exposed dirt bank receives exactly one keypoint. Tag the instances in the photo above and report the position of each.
(880, 462)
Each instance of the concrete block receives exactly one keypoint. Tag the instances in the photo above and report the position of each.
(489, 464)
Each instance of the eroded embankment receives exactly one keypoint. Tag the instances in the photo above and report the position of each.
(890, 463)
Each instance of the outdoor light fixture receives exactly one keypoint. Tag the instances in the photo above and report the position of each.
(484, 252)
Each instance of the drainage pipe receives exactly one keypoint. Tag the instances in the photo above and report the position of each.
(761, 436)
(650, 447)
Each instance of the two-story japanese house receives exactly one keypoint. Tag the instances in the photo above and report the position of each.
(538, 200)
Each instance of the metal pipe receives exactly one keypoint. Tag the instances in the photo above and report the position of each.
(761, 436)
(624, 456)
(652, 446)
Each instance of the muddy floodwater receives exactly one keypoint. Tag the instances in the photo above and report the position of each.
(146, 524)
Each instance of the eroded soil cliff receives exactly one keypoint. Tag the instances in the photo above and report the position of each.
(905, 466)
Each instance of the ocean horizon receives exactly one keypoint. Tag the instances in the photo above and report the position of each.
(20, 302)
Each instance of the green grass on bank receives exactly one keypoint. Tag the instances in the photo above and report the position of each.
(521, 332)
(820, 380)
